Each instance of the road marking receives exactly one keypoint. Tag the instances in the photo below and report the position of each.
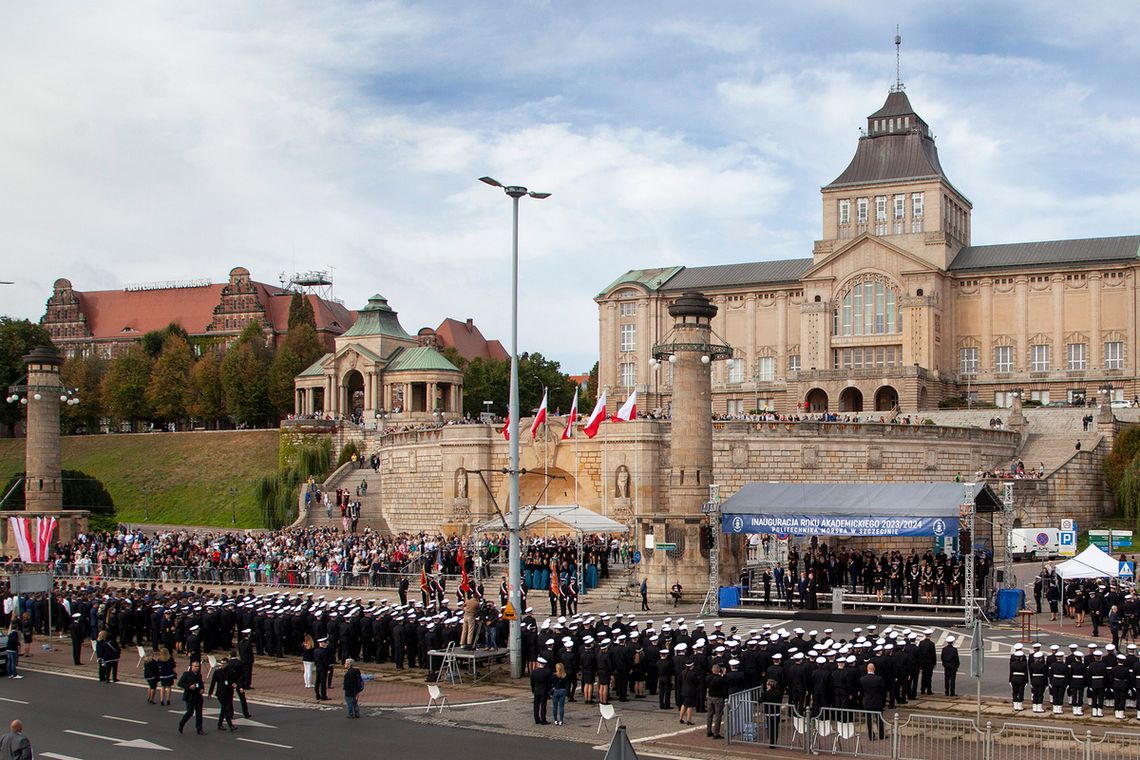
(136, 743)
(663, 736)
(16, 701)
(267, 744)
(126, 720)
(57, 756)
(449, 704)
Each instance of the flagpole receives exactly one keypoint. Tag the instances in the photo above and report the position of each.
(545, 455)
(605, 469)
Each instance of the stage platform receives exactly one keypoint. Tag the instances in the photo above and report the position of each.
(470, 661)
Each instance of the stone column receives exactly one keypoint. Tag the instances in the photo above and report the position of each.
(986, 351)
(1096, 347)
(781, 335)
(1021, 324)
(1057, 360)
(682, 521)
(43, 489)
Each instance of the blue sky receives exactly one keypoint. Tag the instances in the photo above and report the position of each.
(165, 141)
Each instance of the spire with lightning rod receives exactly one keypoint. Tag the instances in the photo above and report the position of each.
(898, 61)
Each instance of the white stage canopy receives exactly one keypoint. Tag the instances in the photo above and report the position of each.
(1091, 563)
(572, 516)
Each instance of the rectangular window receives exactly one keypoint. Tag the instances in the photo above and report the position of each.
(881, 208)
(764, 404)
(1039, 358)
(628, 340)
(628, 374)
(1003, 399)
(1114, 355)
(968, 361)
(766, 368)
(794, 363)
(1042, 396)
(1003, 359)
(845, 212)
(861, 207)
(736, 371)
(735, 407)
(1076, 355)
(916, 210)
(900, 206)
(628, 309)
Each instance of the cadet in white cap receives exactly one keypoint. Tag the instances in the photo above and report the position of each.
(1018, 676)
(950, 665)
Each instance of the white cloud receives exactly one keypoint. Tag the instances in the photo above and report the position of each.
(150, 141)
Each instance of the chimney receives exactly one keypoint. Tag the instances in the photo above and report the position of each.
(470, 325)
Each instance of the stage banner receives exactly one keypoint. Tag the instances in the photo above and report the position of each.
(839, 525)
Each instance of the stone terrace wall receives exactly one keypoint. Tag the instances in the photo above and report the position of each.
(1076, 490)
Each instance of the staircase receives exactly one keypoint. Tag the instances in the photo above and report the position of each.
(370, 511)
(1054, 449)
(616, 590)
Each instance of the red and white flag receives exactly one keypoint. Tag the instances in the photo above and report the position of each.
(506, 431)
(568, 433)
(628, 410)
(540, 417)
(596, 417)
(33, 537)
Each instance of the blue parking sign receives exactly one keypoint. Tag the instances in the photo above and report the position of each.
(1068, 538)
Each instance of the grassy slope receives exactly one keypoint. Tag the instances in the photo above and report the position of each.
(187, 476)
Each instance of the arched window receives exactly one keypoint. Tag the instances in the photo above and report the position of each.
(869, 306)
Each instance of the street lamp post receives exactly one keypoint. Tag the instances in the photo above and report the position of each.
(514, 553)
(233, 505)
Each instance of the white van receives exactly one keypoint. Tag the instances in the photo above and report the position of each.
(1025, 543)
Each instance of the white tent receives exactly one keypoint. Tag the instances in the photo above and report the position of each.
(572, 516)
(1091, 563)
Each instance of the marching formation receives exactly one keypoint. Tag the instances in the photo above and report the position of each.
(1093, 676)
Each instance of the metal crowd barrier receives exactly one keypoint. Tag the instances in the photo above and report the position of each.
(919, 737)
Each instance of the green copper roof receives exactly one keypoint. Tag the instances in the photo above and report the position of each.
(315, 369)
(377, 318)
(420, 358)
(648, 278)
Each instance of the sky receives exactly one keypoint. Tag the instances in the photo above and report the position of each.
(154, 141)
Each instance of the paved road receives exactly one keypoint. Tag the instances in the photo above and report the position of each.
(71, 718)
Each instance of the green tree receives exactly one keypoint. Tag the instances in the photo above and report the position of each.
(17, 338)
(169, 384)
(301, 312)
(486, 380)
(204, 400)
(537, 372)
(245, 378)
(589, 397)
(124, 386)
(1123, 452)
(84, 375)
(154, 341)
(452, 355)
(298, 351)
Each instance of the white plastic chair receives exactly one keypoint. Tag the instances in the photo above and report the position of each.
(845, 731)
(822, 731)
(142, 656)
(799, 725)
(608, 714)
(437, 698)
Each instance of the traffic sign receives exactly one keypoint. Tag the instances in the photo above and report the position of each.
(509, 612)
(1127, 570)
(1042, 538)
(1068, 542)
(636, 557)
(1067, 524)
(667, 547)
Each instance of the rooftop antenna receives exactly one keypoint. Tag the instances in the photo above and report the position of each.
(898, 61)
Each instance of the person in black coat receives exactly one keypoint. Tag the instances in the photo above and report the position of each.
(245, 655)
(874, 701)
(191, 685)
(950, 664)
(78, 634)
(664, 669)
(771, 698)
(541, 679)
(322, 660)
(926, 661)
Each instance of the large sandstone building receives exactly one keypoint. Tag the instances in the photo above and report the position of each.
(895, 306)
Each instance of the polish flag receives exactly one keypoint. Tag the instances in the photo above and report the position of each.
(464, 582)
(596, 417)
(628, 410)
(33, 539)
(506, 431)
(568, 433)
(539, 418)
